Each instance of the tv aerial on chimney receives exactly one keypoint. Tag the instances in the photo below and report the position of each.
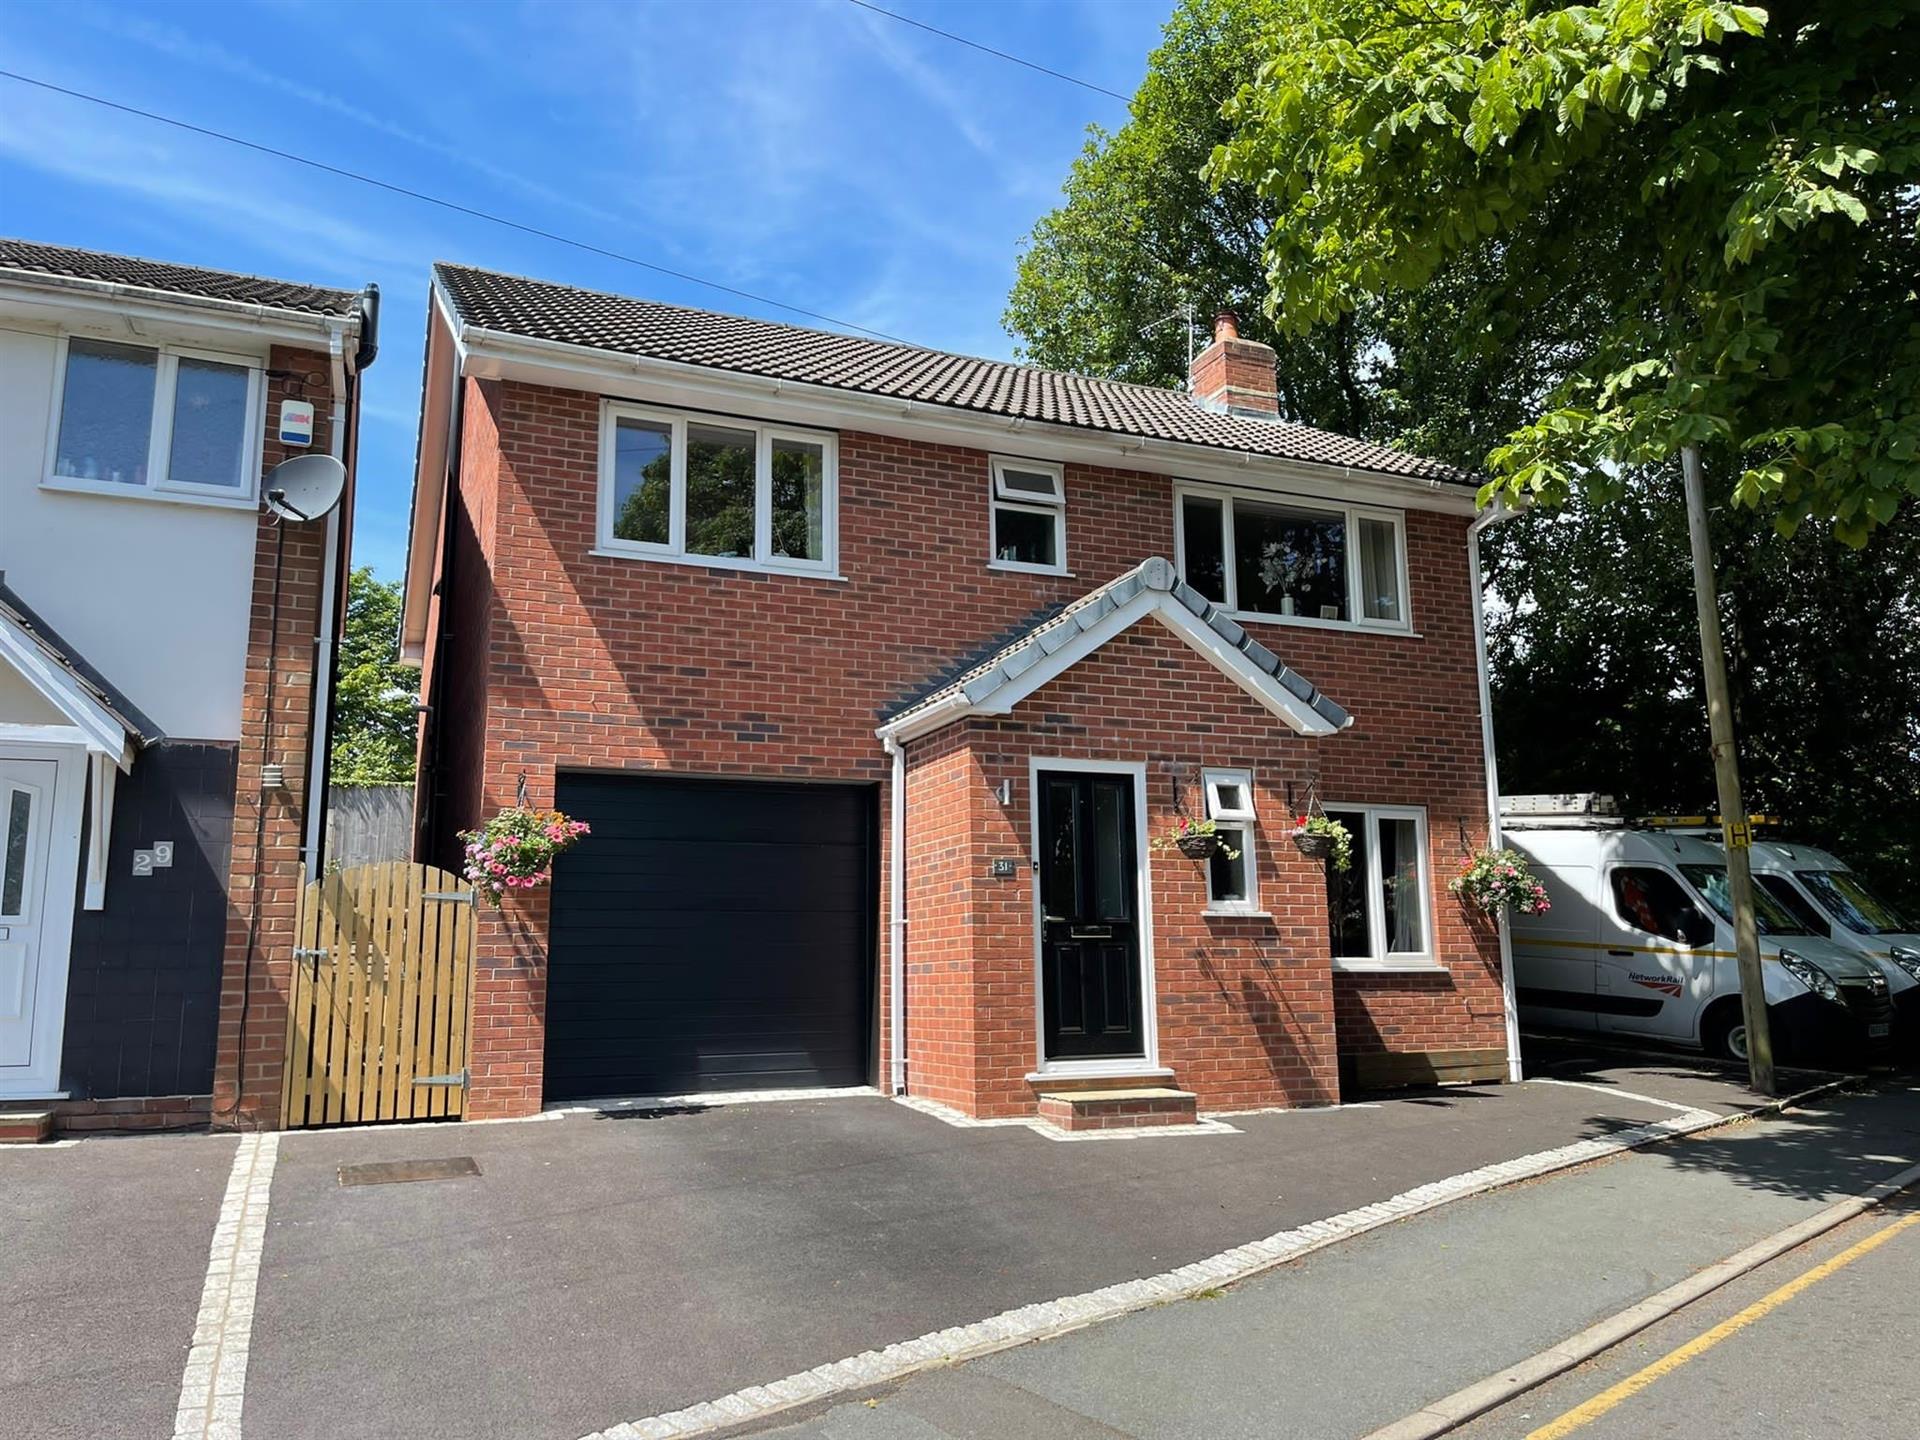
(305, 487)
(1185, 312)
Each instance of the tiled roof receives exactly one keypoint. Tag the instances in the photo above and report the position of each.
(58, 260)
(142, 730)
(1052, 634)
(541, 310)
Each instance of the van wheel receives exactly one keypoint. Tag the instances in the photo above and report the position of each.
(1725, 1033)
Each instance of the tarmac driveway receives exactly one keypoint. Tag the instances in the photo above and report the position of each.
(604, 1268)
(103, 1251)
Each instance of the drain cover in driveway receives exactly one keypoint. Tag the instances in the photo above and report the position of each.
(399, 1172)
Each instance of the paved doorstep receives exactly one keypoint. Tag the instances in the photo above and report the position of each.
(1357, 1336)
(103, 1249)
(605, 1269)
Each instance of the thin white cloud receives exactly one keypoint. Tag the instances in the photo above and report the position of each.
(900, 56)
(177, 45)
(61, 137)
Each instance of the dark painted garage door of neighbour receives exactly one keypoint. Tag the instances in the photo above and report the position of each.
(711, 935)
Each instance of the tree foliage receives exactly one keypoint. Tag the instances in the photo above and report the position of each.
(373, 714)
(1140, 235)
(1748, 179)
(1596, 670)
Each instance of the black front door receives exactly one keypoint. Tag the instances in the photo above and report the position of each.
(1090, 1002)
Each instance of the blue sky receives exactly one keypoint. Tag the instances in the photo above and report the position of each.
(806, 150)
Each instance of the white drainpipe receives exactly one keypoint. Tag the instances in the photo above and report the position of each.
(323, 642)
(1487, 521)
(897, 928)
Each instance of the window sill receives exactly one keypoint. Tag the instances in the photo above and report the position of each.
(1237, 912)
(1014, 567)
(1389, 967)
(720, 562)
(1309, 622)
(71, 485)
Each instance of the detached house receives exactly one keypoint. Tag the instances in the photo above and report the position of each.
(165, 662)
(877, 673)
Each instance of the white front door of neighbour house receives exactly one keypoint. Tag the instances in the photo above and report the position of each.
(26, 828)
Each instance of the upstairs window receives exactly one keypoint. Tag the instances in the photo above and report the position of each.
(131, 419)
(1029, 516)
(1273, 558)
(1231, 883)
(712, 491)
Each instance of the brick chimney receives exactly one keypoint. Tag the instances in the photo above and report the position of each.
(1235, 376)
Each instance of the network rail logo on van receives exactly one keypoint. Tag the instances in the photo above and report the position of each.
(1665, 984)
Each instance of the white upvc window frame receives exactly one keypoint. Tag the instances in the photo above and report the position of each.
(1380, 959)
(674, 550)
(160, 484)
(1002, 497)
(1245, 820)
(1351, 516)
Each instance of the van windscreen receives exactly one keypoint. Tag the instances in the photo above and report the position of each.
(1769, 914)
(1850, 902)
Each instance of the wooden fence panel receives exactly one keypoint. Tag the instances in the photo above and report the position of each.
(382, 983)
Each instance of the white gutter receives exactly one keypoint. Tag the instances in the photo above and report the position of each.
(323, 641)
(897, 926)
(1509, 1001)
(118, 300)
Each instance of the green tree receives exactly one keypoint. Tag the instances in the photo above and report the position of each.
(373, 714)
(1140, 234)
(1745, 177)
(1595, 661)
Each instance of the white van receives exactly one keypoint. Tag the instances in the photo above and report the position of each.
(1639, 941)
(1833, 901)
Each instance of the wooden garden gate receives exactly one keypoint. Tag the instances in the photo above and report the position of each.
(377, 1025)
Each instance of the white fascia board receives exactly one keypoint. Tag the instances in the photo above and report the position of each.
(1160, 604)
(432, 446)
(495, 355)
(104, 734)
(925, 722)
(151, 314)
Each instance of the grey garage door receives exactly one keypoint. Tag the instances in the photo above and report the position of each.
(711, 935)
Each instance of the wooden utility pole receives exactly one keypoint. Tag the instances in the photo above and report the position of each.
(1735, 828)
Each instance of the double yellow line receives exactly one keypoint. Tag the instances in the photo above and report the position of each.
(1607, 1400)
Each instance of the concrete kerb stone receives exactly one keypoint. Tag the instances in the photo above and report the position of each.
(1048, 1319)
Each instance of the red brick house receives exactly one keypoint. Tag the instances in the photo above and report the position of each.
(166, 664)
(878, 671)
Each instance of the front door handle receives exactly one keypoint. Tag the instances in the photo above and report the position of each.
(1621, 954)
(1090, 932)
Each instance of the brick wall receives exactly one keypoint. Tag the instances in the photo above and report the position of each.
(265, 873)
(607, 662)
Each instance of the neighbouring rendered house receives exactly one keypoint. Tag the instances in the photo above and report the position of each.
(878, 672)
(166, 653)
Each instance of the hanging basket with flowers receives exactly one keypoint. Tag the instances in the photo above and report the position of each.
(1496, 881)
(515, 850)
(1319, 837)
(1195, 839)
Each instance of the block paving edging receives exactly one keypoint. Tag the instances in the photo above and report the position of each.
(1051, 1318)
(213, 1386)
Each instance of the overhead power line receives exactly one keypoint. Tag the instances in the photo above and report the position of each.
(445, 204)
(989, 50)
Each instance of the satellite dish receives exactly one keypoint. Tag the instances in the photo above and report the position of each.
(305, 487)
